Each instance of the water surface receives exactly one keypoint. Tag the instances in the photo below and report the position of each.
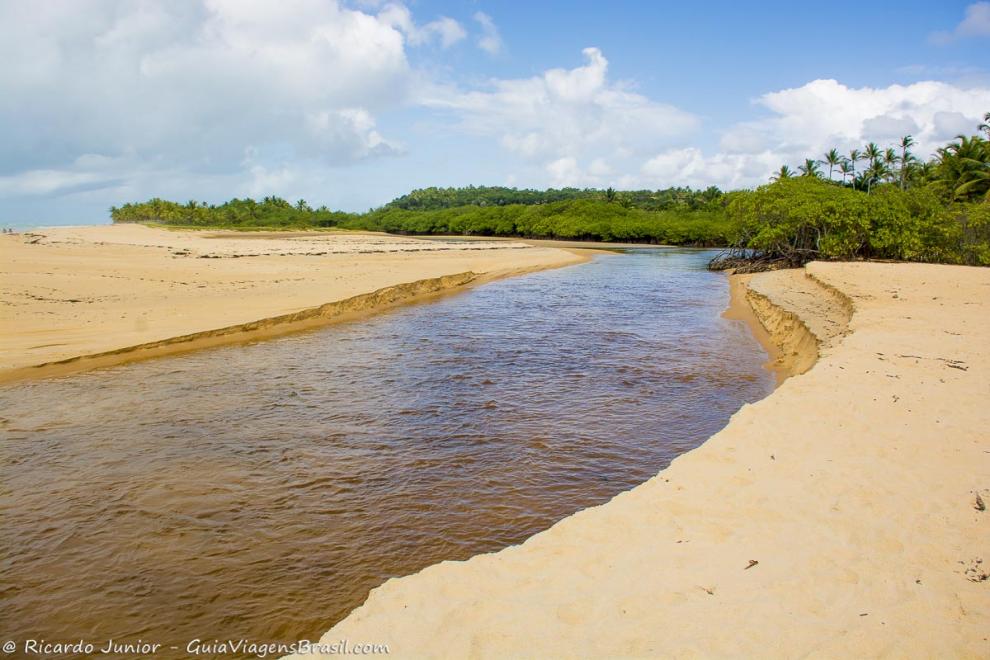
(260, 491)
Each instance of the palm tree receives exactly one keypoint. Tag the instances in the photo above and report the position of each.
(833, 158)
(877, 171)
(906, 156)
(978, 184)
(610, 195)
(963, 168)
(810, 168)
(783, 173)
(872, 152)
(846, 168)
(854, 156)
(926, 170)
(890, 158)
(985, 126)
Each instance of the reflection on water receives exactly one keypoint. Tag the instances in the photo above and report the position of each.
(260, 491)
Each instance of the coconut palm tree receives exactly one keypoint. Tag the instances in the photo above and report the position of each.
(985, 126)
(872, 152)
(906, 142)
(783, 173)
(926, 170)
(833, 158)
(846, 168)
(890, 159)
(810, 168)
(854, 156)
(877, 171)
(909, 169)
(977, 184)
(963, 168)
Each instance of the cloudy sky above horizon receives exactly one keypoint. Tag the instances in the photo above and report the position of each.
(351, 103)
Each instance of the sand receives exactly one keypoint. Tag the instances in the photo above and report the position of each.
(838, 517)
(125, 292)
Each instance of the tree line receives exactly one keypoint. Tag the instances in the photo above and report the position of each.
(575, 219)
(679, 198)
(677, 216)
(880, 203)
(578, 219)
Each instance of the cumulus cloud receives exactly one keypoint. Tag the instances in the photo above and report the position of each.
(826, 111)
(976, 23)
(807, 121)
(490, 41)
(221, 97)
(194, 85)
(691, 167)
(573, 123)
(444, 29)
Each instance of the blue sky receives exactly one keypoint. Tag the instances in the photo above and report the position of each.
(352, 103)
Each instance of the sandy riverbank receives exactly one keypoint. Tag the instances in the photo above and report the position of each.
(838, 517)
(124, 292)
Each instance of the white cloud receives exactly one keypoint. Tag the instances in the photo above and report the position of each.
(189, 87)
(826, 112)
(565, 172)
(221, 97)
(690, 167)
(807, 121)
(349, 131)
(574, 124)
(976, 23)
(446, 30)
(51, 182)
(490, 41)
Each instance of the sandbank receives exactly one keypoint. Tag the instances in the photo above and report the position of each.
(74, 298)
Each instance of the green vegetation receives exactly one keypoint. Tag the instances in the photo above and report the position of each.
(895, 207)
(671, 199)
(271, 212)
(581, 219)
(875, 203)
(687, 217)
(798, 219)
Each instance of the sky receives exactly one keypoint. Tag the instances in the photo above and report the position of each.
(350, 103)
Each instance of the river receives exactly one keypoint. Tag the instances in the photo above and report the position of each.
(260, 491)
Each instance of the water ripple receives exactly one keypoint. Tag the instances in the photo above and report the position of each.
(260, 491)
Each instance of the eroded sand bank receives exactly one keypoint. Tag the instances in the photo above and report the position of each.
(122, 292)
(836, 518)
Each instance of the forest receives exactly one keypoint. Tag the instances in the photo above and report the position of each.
(432, 199)
(870, 203)
(676, 216)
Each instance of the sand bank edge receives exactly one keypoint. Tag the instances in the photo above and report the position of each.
(337, 311)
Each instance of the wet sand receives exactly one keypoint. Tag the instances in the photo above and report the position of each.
(841, 516)
(73, 298)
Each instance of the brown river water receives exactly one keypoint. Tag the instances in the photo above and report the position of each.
(260, 491)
